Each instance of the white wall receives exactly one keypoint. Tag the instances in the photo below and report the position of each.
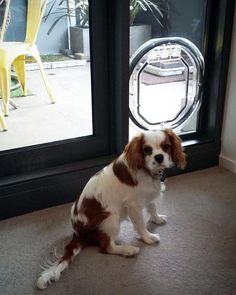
(58, 38)
(228, 150)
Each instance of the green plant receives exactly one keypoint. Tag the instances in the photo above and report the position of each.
(136, 6)
(69, 9)
(82, 13)
(80, 10)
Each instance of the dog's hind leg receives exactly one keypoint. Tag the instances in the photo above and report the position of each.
(53, 273)
(124, 250)
(111, 227)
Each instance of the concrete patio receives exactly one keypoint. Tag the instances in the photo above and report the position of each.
(37, 121)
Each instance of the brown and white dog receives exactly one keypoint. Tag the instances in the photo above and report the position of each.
(120, 190)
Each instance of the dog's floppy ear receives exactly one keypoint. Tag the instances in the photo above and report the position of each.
(177, 154)
(134, 152)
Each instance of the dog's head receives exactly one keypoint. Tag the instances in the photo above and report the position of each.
(155, 150)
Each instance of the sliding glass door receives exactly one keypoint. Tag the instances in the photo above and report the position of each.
(51, 150)
(178, 69)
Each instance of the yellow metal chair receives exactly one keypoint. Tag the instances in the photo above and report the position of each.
(3, 124)
(15, 52)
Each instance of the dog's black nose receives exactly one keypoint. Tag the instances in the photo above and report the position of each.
(159, 158)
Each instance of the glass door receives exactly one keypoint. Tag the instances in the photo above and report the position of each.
(58, 109)
(61, 109)
(167, 52)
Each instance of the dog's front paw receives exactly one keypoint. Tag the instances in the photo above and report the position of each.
(159, 219)
(150, 238)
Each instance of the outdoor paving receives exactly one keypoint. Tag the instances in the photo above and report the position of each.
(37, 121)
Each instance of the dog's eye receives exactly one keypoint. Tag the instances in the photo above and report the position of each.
(147, 150)
(166, 147)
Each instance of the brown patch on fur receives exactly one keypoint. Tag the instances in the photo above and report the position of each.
(94, 212)
(176, 151)
(89, 233)
(134, 153)
(122, 173)
(69, 249)
(91, 236)
(82, 239)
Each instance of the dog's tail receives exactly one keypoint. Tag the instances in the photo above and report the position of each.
(53, 272)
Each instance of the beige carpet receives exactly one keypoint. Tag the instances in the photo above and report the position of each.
(197, 253)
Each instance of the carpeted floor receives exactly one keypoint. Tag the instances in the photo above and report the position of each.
(196, 255)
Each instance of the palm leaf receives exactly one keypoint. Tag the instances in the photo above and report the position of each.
(145, 5)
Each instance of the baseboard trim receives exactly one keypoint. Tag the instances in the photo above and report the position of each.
(228, 163)
(50, 187)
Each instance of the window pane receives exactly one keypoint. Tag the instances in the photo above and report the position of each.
(162, 84)
(63, 45)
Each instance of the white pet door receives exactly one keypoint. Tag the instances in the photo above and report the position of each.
(166, 77)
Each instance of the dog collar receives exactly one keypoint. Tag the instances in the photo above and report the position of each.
(162, 175)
